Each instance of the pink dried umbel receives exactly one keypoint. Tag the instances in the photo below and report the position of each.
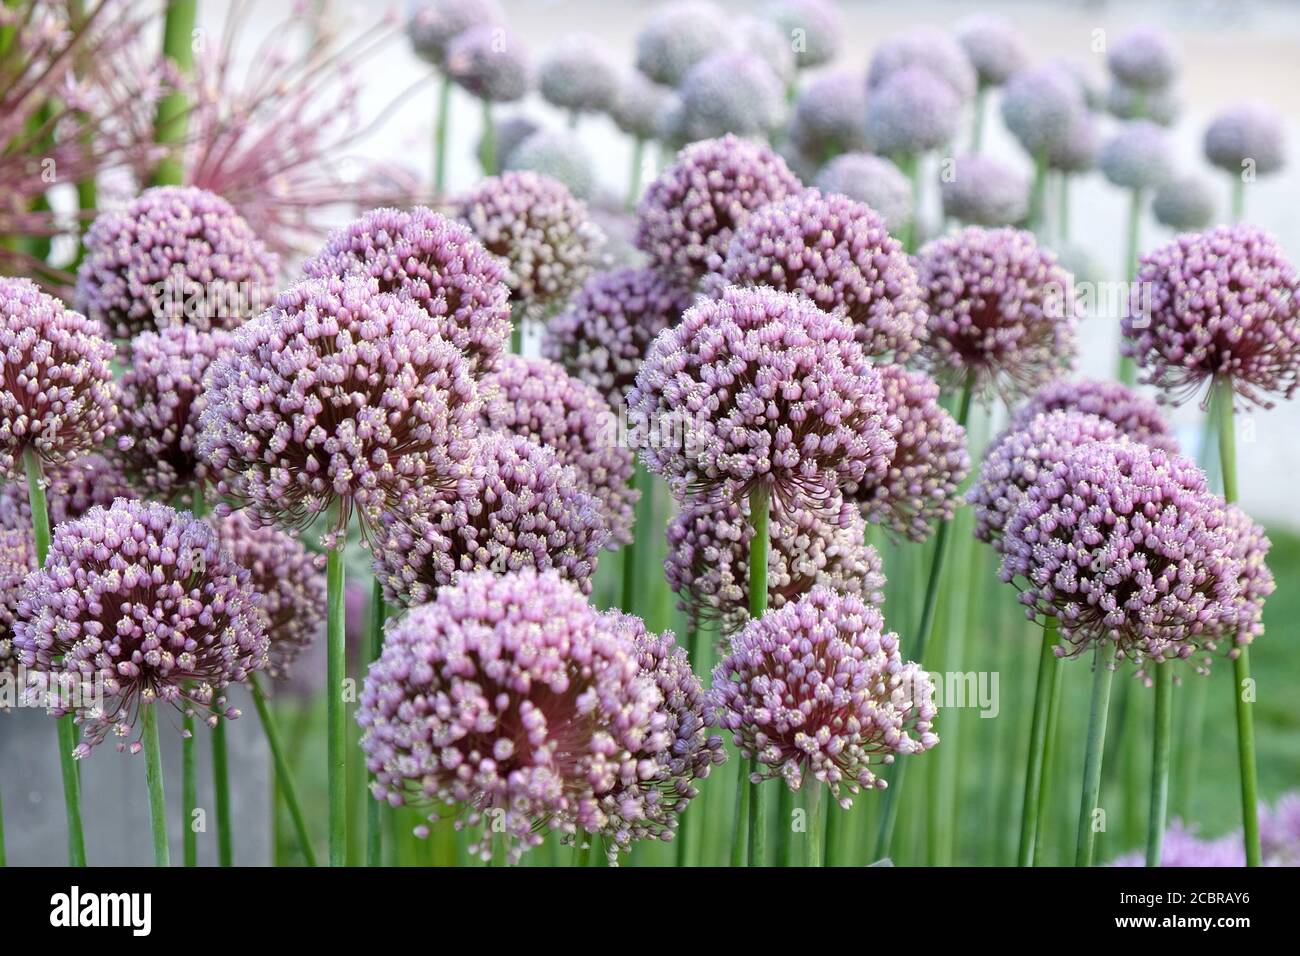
(538, 400)
(517, 506)
(760, 389)
(1220, 304)
(686, 219)
(71, 489)
(1133, 414)
(708, 559)
(490, 62)
(817, 689)
(510, 696)
(57, 395)
(838, 254)
(1002, 311)
(140, 603)
(437, 263)
(338, 396)
(17, 560)
(174, 256)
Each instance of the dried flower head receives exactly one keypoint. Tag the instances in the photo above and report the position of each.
(1144, 58)
(434, 24)
(1185, 203)
(731, 91)
(677, 36)
(1248, 133)
(1138, 156)
(576, 74)
(994, 47)
(928, 49)
(1135, 415)
(490, 62)
(873, 180)
(830, 116)
(983, 191)
(1042, 106)
(71, 489)
(913, 111)
(558, 154)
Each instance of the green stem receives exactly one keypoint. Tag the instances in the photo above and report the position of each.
(1038, 741)
(3, 862)
(487, 156)
(336, 713)
(1049, 762)
(1063, 225)
(1190, 753)
(1134, 239)
(189, 793)
(634, 179)
(759, 506)
(911, 167)
(1103, 673)
(440, 137)
(582, 850)
(283, 773)
(739, 847)
(39, 506)
(814, 803)
(221, 787)
(977, 120)
(171, 126)
(788, 850)
(153, 777)
(1160, 761)
(1238, 198)
(1038, 195)
(374, 837)
(757, 822)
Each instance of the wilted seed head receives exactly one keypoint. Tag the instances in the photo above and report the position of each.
(1041, 106)
(731, 91)
(559, 154)
(1145, 58)
(437, 263)
(637, 104)
(686, 218)
(817, 689)
(1002, 312)
(838, 254)
(983, 191)
(994, 47)
(490, 62)
(1138, 156)
(576, 74)
(176, 255)
(677, 36)
(1247, 134)
(142, 602)
(1220, 304)
(1136, 416)
(71, 489)
(873, 180)
(57, 396)
(510, 695)
(913, 111)
(537, 399)
(17, 560)
(1077, 151)
(811, 27)
(830, 116)
(434, 24)
(1185, 203)
(338, 394)
(928, 49)
(1159, 106)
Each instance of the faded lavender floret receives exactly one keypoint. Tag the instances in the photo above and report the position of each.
(1160, 106)
(142, 602)
(760, 388)
(811, 27)
(818, 689)
(437, 263)
(489, 62)
(677, 36)
(911, 112)
(162, 402)
(434, 24)
(576, 74)
(17, 560)
(994, 47)
(289, 579)
(873, 180)
(686, 218)
(1247, 133)
(176, 255)
(517, 505)
(830, 116)
(338, 395)
(1041, 106)
(1220, 304)
(928, 466)
(558, 154)
(1002, 312)
(542, 235)
(1145, 58)
(1135, 415)
(925, 48)
(983, 191)
(602, 336)
(1077, 151)
(539, 400)
(838, 254)
(1138, 156)
(1185, 203)
(730, 91)
(57, 395)
(637, 104)
(510, 696)
(71, 489)
(1182, 846)
(508, 132)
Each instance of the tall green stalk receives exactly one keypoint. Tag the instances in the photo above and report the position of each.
(977, 119)
(1063, 210)
(283, 772)
(1050, 759)
(1038, 194)
(814, 805)
(189, 793)
(440, 137)
(1103, 674)
(634, 178)
(221, 788)
(335, 712)
(1038, 743)
(375, 642)
(1164, 677)
(487, 155)
(189, 767)
(1127, 367)
(911, 168)
(171, 126)
(759, 507)
(153, 776)
(1238, 197)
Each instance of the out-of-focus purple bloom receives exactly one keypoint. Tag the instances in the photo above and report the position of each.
(1159, 106)
(928, 49)
(1041, 106)
(1185, 203)
(811, 27)
(1092, 87)
(17, 560)
(983, 191)
(1183, 847)
(489, 62)
(637, 105)
(558, 154)
(730, 91)
(508, 132)
(1145, 58)
(1138, 156)
(1135, 415)
(873, 180)
(912, 111)
(994, 47)
(433, 24)
(71, 489)
(1279, 831)
(764, 40)
(1077, 151)
(830, 116)
(1247, 133)
(677, 36)
(576, 74)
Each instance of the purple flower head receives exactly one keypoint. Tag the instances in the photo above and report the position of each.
(764, 40)
(508, 133)
(708, 559)
(437, 263)
(813, 27)
(337, 395)
(928, 49)
(760, 388)
(829, 116)
(1247, 133)
(1092, 87)
(1139, 156)
(1076, 151)
(537, 399)
(1185, 203)
(686, 218)
(817, 689)
(141, 603)
(994, 47)
(1217, 304)
(1183, 847)
(510, 695)
(558, 154)
(1249, 545)
(1279, 831)
(677, 36)
(928, 466)
(576, 74)
(873, 180)
(730, 91)
(1002, 312)
(983, 191)
(174, 256)
(490, 62)
(17, 560)
(637, 104)
(1041, 106)
(602, 336)
(838, 254)
(57, 396)
(911, 112)
(1159, 106)
(71, 489)
(434, 24)
(1145, 58)
(1134, 415)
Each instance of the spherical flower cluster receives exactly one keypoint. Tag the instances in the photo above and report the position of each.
(1076, 152)
(540, 401)
(1160, 106)
(1138, 156)
(708, 559)
(928, 466)
(437, 263)
(764, 40)
(1145, 58)
(1136, 416)
(434, 24)
(1185, 203)
(816, 689)
(815, 23)
(829, 116)
(838, 254)
(577, 75)
(17, 560)
(994, 47)
(510, 695)
(686, 218)
(558, 154)
(1002, 312)
(71, 489)
(141, 602)
(1248, 132)
(983, 191)
(490, 62)
(928, 49)
(507, 133)
(912, 111)
(337, 395)
(176, 255)
(541, 233)
(760, 388)
(677, 36)
(873, 180)
(1183, 847)
(637, 104)
(1091, 87)
(1041, 106)
(57, 396)
(1221, 304)
(517, 506)
(1279, 830)
(1249, 545)
(730, 91)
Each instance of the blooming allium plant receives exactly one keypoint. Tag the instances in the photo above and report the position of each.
(71, 489)
(1133, 414)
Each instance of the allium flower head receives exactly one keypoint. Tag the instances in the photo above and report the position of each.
(838, 254)
(817, 689)
(508, 132)
(767, 390)
(436, 262)
(434, 24)
(994, 47)
(1185, 203)
(1092, 87)
(1159, 106)
(829, 116)
(1077, 151)
(338, 394)
(175, 255)
(1002, 312)
(539, 400)
(1217, 304)
(1145, 58)
(912, 111)
(1248, 132)
(928, 49)
(490, 62)
(1279, 831)
(984, 191)
(764, 40)
(143, 601)
(577, 75)
(71, 489)
(686, 218)
(1041, 106)
(730, 91)
(873, 180)
(1138, 156)
(677, 36)
(57, 396)
(813, 27)
(17, 560)
(1135, 415)
(637, 104)
(558, 154)
(1183, 847)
